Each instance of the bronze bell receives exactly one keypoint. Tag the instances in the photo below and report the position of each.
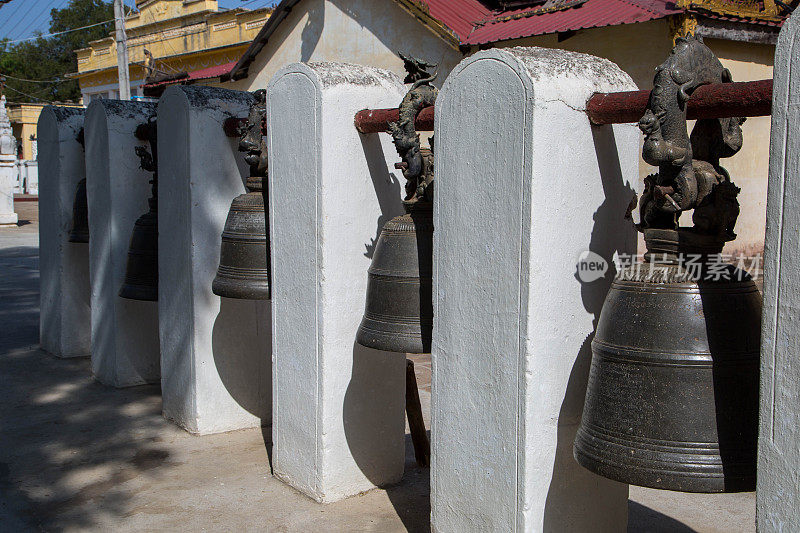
(243, 268)
(399, 312)
(398, 316)
(244, 255)
(80, 215)
(141, 274)
(80, 207)
(672, 396)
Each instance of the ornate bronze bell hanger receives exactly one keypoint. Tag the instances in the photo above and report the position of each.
(244, 255)
(141, 275)
(398, 316)
(672, 397)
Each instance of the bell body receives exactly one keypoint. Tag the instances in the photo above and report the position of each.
(141, 274)
(399, 311)
(243, 265)
(80, 215)
(672, 397)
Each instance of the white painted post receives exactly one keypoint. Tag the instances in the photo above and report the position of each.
(524, 185)
(32, 176)
(8, 168)
(125, 349)
(778, 487)
(65, 315)
(215, 352)
(338, 408)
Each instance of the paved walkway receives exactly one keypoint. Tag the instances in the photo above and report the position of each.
(76, 455)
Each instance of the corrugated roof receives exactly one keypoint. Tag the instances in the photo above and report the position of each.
(589, 14)
(471, 22)
(202, 74)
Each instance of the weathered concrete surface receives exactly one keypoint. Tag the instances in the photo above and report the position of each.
(337, 406)
(78, 455)
(125, 344)
(517, 201)
(65, 321)
(215, 352)
(778, 450)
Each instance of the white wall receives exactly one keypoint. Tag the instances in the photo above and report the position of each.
(365, 32)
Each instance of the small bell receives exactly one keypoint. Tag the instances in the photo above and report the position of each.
(141, 274)
(672, 396)
(80, 215)
(244, 254)
(398, 316)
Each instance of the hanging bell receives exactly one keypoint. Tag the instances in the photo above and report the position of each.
(80, 215)
(244, 255)
(399, 312)
(398, 316)
(141, 274)
(672, 397)
(243, 264)
(673, 389)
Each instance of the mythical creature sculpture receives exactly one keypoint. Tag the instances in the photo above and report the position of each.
(252, 139)
(417, 163)
(148, 131)
(689, 175)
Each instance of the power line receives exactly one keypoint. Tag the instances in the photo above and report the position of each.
(28, 95)
(60, 32)
(36, 18)
(32, 5)
(54, 80)
(11, 15)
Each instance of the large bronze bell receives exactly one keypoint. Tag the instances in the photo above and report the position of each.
(141, 274)
(672, 396)
(244, 254)
(80, 215)
(243, 268)
(398, 316)
(399, 312)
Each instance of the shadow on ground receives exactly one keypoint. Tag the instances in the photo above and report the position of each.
(61, 448)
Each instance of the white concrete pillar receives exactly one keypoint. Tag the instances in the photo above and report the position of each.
(215, 352)
(524, 185)
(778, 488)
(8, 168)
(125, 348)
(65, 315)
(338, 408)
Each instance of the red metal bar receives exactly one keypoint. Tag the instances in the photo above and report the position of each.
(739, 99)
(719, 100)
(377, 120)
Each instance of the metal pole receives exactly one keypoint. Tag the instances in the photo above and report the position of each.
(122, 51)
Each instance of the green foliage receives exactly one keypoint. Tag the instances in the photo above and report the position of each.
(52, 58)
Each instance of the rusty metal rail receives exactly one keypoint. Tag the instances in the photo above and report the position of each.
(719, 100)
(738, 99)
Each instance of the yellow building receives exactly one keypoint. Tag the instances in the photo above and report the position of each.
(24, 117)
(184, 36)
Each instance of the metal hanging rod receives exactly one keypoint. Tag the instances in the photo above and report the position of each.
(719, 100)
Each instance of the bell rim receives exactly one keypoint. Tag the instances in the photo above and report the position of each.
(708, 478)
(139, 292)
(241, 289)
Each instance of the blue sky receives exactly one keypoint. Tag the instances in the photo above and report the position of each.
(21, 18)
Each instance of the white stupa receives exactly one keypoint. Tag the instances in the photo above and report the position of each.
(8, 168)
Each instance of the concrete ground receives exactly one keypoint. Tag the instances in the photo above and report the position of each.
(76, 455)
